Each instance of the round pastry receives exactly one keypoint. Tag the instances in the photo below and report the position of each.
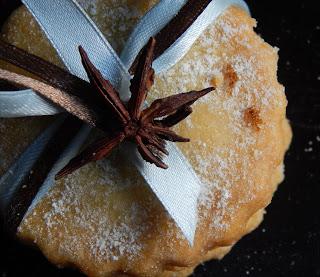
(103, 218)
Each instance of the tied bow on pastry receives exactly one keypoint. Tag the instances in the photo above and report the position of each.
(99, 103)
(129, 122)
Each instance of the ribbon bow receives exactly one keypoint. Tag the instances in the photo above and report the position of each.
(178, 187)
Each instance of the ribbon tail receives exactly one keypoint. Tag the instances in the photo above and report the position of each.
(24, 103)
(177, 187)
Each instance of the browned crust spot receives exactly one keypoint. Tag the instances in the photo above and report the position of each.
(252, 118)
(230, 78)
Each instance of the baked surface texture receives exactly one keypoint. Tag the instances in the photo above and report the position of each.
(103, 219)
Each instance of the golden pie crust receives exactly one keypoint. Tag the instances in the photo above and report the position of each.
(104, 219)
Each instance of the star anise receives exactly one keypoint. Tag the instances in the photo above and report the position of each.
(148, 128)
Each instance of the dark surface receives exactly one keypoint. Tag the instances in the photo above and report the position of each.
(288, 241)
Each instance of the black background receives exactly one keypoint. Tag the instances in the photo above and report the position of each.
(288, 241)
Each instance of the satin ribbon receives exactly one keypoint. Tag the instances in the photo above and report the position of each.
(67, 26)
(25, 103)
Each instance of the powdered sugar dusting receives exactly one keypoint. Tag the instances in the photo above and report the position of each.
(120, 240)
(92, 214)
(116, 19)
(106, 209)
(206, 67)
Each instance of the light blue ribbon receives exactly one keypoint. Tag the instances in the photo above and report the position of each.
(25, 103)
(67, 26)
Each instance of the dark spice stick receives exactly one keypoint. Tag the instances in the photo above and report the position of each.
(46, 71)
(70, 86)
(74, 105)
